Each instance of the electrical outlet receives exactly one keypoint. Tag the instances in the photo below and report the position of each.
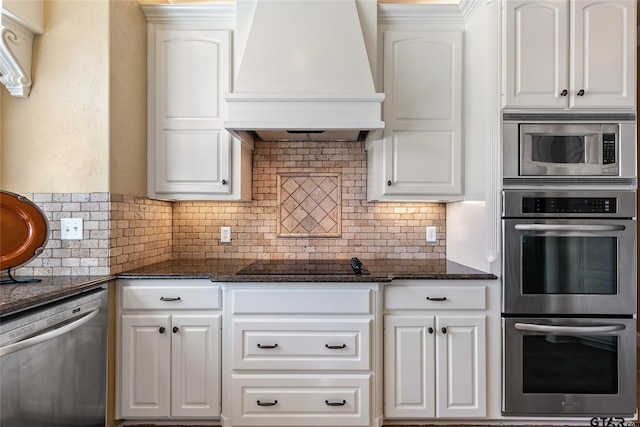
(432, 237)
(71, 229)
(225, 234)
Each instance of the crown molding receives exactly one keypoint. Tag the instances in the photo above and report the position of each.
(427, 12)
(16, 44)
(163, 13)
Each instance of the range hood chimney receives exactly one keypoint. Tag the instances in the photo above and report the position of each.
(304, 71)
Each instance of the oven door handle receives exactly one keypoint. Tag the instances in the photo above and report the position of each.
(37, 339)
(568, 329)
(569, 227)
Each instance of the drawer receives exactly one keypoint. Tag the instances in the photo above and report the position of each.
(301, 400)
(302, 301)
(435, 298)
(303, 344)
(152, 297)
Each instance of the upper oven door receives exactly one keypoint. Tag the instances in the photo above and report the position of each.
(553, 149)
(569, 266)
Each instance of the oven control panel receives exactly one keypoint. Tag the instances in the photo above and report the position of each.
(569, 205)
(608, 148)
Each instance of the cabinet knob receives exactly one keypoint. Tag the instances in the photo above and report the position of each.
(581, 92)
(389, 183)
(344, 402)
(161, 329)
(564, 93)
(274, 403)
(224, 182)
(430, 330)
(444, 330)
(175, 329)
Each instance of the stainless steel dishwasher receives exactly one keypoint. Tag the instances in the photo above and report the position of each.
(53, 363)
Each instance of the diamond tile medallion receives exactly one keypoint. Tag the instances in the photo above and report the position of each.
(309, 205)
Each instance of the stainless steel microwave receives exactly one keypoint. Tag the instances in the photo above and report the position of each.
(569, 147)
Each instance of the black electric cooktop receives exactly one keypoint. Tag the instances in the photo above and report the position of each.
(287, 267)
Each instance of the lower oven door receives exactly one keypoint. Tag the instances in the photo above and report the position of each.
(569, 367)
(559, 266)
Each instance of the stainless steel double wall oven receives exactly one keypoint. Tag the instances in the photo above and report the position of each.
(569, 267)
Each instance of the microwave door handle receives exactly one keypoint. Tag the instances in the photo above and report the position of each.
(568, 329)
(568, 227)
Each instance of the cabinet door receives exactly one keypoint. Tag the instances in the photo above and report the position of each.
(409, 372)
(190, 151)
(195, 366)
(461, 366)
(604, 54)
(536, 40)
(145, 380)
(422, 112)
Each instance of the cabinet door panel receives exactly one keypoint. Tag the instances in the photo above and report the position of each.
(422, 140)
(461, 365)
(195, 387)
(193, 161)
(145, 366)
(423, 162)
(603, 51)
(409, 366)
(537, 53)
(189, 150)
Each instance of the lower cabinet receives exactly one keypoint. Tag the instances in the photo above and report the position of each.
(302, 355)
(435, 352)
(170, 357)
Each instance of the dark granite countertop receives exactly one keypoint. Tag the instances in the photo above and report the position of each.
(379, 270)
(20, 296)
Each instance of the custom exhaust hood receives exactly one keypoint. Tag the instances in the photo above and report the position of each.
(305, 72)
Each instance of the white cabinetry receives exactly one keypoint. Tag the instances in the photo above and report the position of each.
(570, 54)
(435, 352)
(190, 154)
(170, 357)
(420, 155)
(301, 356)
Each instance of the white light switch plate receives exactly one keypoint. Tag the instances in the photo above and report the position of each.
(71, 229)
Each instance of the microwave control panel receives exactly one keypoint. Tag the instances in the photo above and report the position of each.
(569, 205)
(608, 148)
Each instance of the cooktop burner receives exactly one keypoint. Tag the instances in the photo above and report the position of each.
(287, 267)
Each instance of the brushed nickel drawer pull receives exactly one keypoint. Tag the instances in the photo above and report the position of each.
(344, 402)
(274, 403)
(437, 298)
(267, 346)
(169, 298)
(335, 347)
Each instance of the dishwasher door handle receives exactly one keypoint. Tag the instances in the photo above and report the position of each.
(37, 339)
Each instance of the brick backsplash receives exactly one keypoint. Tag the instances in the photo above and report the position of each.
(125, 232)
(120, 233)
(368, 230)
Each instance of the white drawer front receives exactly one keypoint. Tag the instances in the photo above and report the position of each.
(303, 344)
(302, 301)
(301, 401)
(435, 298)
(171, 297)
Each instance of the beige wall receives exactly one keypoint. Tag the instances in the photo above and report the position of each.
(128, 99)
(62, 139)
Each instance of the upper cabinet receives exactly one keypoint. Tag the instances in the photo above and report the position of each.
(420, 155)
(190, 154)
(570, 54)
